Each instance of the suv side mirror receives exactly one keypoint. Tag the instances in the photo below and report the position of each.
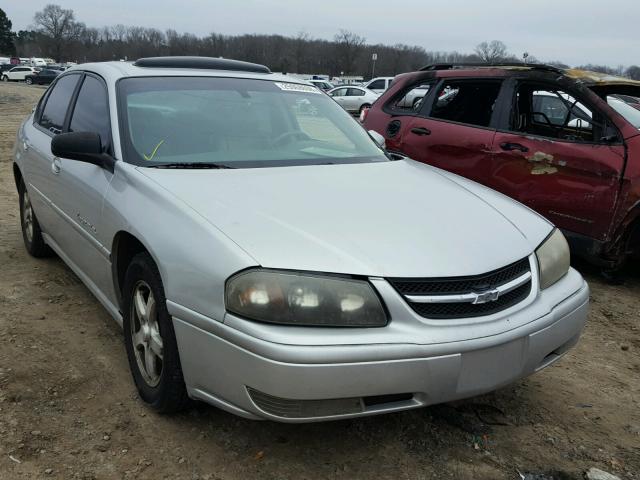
(82, 146)
(379, 139)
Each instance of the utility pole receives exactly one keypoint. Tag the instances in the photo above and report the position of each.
(374, 57)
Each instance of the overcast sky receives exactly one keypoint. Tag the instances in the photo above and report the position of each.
(575, 32)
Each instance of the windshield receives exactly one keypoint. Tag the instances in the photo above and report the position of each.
(237, 123)
(630, 114)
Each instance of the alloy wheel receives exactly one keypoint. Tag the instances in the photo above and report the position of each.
(145, 334)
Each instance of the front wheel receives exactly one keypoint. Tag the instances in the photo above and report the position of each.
(150, 340)
(5, 78)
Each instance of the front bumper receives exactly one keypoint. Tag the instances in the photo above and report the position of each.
(256, 378)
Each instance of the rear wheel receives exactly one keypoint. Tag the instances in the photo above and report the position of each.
(5, 78)
(150, 340)
(31, 232)
(28, 81)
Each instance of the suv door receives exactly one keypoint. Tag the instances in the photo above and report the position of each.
(453, 128)
(40, 165)
(560, 156)
(81, 188)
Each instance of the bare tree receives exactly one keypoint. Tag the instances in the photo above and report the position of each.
(348, 48)
(491, 52)
(59, 25)
(633, 72)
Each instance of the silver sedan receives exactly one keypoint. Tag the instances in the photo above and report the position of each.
(264, 254)
(353, 99)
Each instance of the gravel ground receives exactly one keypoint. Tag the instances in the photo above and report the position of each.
(68, 408)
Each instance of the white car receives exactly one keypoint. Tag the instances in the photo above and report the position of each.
(353, 99)
(18, 73)
(379, 84)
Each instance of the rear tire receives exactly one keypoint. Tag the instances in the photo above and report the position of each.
(150, 340)
(31, 232)
(5, 78)
(28, 81)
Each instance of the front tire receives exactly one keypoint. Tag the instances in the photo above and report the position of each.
(31, 232)
(5, 78)
(150, 340)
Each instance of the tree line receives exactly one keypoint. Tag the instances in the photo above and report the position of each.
(57, 34)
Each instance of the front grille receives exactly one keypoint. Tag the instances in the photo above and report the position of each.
(465, 285)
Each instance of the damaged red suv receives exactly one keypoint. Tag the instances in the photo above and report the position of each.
(559, 141)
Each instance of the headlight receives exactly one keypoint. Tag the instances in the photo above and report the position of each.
(291, 298)
(553, 259)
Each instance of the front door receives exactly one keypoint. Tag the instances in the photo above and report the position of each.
(560, 157)
(81, 188)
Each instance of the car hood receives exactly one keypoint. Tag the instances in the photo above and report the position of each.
(391, 219)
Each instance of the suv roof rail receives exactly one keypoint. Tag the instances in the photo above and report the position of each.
(452, 66)
(205, 63)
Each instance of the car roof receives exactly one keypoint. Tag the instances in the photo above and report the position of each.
(503, 70)
(115, 70)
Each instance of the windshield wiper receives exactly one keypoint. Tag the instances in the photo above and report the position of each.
(193, 165)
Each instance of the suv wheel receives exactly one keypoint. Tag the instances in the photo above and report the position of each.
(28, 81)
(5, 78)
(31, 232)
(150, 339)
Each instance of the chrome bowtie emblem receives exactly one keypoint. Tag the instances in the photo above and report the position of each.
(485, 297)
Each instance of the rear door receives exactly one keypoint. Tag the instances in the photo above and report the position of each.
(453, 128)
(40, 165)
(560, 156)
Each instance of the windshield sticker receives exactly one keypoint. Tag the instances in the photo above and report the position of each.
(296, 87)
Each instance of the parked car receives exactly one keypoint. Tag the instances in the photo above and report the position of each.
(60, 68)
(379, 84)
(278, 264)
(17, 74)
(43, 77)
(522, 131)
(323, 85)
(353, 99)
(5, 67)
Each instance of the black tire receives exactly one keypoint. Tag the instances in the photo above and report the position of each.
(5, 78)
(28, 81)
(169, 394)
(31, 232)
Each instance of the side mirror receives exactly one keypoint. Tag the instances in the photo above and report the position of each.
(82, 146)
(379, 139)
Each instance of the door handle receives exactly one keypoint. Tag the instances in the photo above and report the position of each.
(508, 146)
(56, 165)
(420, 131)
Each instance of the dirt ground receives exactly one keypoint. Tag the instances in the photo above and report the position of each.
(68, 408)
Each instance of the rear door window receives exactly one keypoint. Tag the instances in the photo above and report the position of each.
(355, 92)
(55, 110)
(91, 112)
(468, 102)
